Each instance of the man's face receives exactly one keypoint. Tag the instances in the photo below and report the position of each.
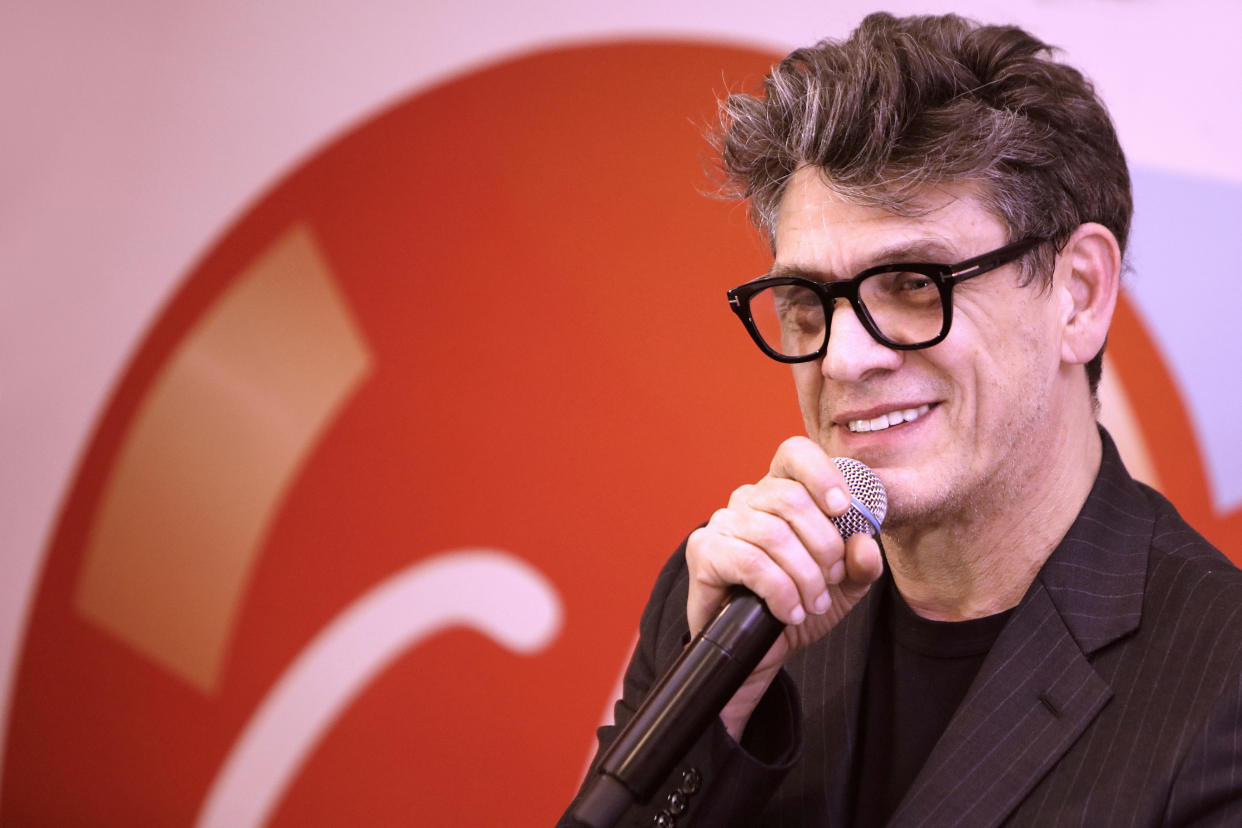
(971, 420)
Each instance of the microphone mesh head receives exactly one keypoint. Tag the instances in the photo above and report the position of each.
(866, 488)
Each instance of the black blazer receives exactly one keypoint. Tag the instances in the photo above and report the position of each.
(1112, 697)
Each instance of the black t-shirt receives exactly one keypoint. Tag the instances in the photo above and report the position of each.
(918, 672)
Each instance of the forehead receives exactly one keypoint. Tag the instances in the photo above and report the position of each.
(819, 231)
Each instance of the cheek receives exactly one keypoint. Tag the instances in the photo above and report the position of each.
(809, 383)
(1015, 343)
(1035, 346)
(1017, 372)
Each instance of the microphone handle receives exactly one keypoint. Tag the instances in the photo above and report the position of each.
(679, 707)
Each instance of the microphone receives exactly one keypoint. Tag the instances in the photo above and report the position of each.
(705, 676)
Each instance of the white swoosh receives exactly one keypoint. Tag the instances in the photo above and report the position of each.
(491, 591)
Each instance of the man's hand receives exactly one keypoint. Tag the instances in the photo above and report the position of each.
(776, 539)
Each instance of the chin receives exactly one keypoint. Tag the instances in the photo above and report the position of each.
(912, 501)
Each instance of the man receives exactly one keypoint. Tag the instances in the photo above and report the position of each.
(1043, 640)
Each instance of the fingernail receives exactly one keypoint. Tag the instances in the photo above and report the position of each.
(822, 603)
(838, 501)
(798, 615)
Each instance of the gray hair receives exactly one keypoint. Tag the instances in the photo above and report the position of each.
(908, 103)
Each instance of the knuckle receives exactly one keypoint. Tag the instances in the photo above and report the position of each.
(794, 444)
(768, 534)
(807, 572)
(790, 498)
(703, 539)
(698, 547)
(759, 573)
(784, 452)
(741, 495)
(750, 564)
(697, 538)
(800, 458)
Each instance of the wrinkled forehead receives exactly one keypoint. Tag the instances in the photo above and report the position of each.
(827, 229)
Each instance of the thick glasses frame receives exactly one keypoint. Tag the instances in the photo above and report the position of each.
(942, 275)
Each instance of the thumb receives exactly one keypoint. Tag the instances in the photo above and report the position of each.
(863, 564)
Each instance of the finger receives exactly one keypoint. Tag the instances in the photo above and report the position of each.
(782, 540)
(863, 562)
(740, 496)
(718, 560)
(790, 502)
(801, 459)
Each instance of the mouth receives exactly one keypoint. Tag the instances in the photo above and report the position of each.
(888, 420)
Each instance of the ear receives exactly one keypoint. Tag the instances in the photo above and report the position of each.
(1086, 281)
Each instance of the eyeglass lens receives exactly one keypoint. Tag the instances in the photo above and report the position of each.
(905, 307)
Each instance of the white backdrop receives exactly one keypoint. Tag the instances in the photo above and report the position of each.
(135, 132)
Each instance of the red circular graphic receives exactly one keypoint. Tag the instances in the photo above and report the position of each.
(537, 277)
(518, 295)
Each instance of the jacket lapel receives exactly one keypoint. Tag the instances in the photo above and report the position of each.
(1037, 690)
(831, 682)
(1034, 696)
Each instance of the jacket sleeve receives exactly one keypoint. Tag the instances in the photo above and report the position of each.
(719, 782)
(1207, 790)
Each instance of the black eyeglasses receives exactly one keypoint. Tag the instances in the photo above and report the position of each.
(905, 306)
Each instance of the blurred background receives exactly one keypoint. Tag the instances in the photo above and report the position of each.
(360, 364)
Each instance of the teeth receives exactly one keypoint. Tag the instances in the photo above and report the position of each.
(892, 418)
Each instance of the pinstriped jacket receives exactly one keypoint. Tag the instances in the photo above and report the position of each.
(1113, 696)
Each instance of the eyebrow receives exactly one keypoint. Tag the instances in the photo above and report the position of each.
(916, 250)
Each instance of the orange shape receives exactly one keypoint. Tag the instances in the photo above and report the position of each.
(182, 517)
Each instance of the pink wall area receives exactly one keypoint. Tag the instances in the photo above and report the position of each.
(360, 366)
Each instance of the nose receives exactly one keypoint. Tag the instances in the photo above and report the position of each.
(853, 354)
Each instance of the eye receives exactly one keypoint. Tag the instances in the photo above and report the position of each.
(899, 289)
(912, 283)
(794, 298)
(799, 308)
